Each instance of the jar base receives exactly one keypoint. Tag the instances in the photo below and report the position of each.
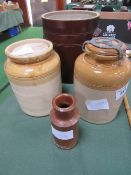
(98, 123)
(36, 116)
(101, 116)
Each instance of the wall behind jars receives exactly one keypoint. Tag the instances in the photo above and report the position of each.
(38, 8)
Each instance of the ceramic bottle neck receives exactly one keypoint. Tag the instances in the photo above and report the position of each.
(64, 106)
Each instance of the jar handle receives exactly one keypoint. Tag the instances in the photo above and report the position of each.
(128, 53)
(83, 45)
(106, 43)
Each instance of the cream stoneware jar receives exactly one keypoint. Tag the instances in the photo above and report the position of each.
(101, 77)
(33, 69)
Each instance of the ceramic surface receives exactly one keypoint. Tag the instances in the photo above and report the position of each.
(101, 78)
(34, 83)
(64, 120)
(68, 29)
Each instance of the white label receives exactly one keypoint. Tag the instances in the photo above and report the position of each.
(97, 104)
(121, 92)
(62, 135)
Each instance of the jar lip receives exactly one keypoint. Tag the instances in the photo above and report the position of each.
(64, 102)
(109, 48)
(49, 15)
(29, 50)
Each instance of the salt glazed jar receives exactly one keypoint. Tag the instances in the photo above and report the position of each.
(33, 69)
(101, 77)
(64, 121)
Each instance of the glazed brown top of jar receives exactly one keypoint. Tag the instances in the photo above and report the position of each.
(103, 65)
(31, 58)
(34, 70)
(29, 50)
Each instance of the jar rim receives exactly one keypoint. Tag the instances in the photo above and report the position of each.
(29, 50)
(105, 48)
(57, 14)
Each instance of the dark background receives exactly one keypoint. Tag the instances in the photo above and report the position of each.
(121, 29)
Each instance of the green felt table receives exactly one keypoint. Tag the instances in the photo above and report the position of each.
(10, 18)
(27, 148)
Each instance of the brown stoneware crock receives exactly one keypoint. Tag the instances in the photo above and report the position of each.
(64, 121)
(68, 29)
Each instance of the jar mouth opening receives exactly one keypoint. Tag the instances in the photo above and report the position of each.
(105, 48)
(64, 102)
(70, 15)
(29, 50)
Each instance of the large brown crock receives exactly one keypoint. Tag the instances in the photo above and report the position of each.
(68, 29)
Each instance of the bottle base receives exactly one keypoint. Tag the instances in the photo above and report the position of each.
(65, 147)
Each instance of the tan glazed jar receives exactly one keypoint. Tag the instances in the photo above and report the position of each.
(33, 69)
(101, 77)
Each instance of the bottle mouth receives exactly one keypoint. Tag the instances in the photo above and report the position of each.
(64, 102)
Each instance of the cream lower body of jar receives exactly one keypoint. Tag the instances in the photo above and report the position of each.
(84, 93)
(35, 96)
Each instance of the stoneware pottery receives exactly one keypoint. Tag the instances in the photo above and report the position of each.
(33, 69)
(64, 121)
(68, 29)
(101, 78)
